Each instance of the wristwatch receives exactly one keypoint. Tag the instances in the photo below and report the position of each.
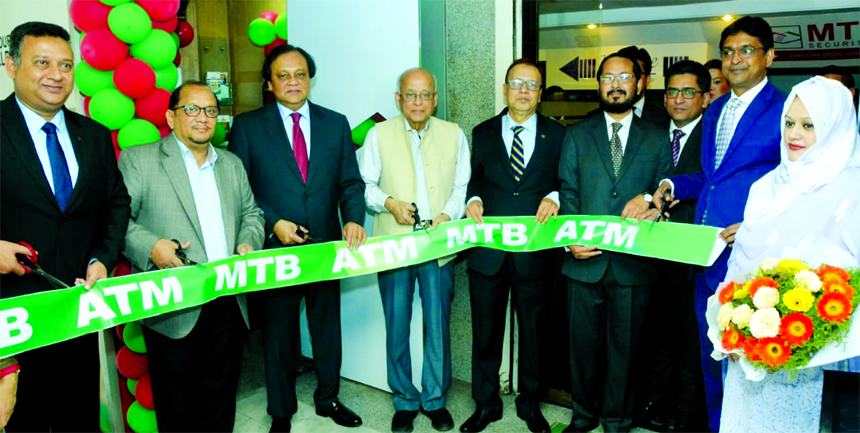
(648, 197)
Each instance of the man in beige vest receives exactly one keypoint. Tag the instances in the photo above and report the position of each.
(416, 170)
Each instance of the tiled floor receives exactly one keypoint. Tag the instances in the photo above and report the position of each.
(374, 406)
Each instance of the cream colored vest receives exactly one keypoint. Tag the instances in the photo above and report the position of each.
(439, 153)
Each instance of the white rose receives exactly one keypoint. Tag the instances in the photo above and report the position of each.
(765, 323)
(766, 297)
(768, 264)
(807, 280)
(741, 315)
(724, 316)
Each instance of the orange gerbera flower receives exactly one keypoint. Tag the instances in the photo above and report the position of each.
(761, 282)
(773, 351)
(796, 329)
(750, 352)
(834, 307)
(824, 270)
(732, 339)
(727, 293)
(833, 283)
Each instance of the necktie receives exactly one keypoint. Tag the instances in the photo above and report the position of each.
(615, 147)
(676, 145)
(724, 133)
(518, 158)
(300, 148)
(59, 167)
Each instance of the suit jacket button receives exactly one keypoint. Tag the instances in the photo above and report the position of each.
(516, 194)
(615, 193)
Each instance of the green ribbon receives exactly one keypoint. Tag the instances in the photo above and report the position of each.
(40, 319)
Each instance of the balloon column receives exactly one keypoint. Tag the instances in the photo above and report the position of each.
(130, 52)
(132, 365)
(269, 31)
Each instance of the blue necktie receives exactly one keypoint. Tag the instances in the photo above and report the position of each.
(59, 168)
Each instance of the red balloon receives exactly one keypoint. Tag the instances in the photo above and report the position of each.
(178, 59)
(134, 78)
(102, 50)
(185, 32)
(120, 328)
(275, 43)
(87, 105)
(159, 10)
(164, 131)
(153, 106)
(271, 16)
(143, 392)
(114, 136)
(131, 365)
(89, 15)
(168, 26)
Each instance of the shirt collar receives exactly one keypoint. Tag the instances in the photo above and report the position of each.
(285, 112)
(530, 124)
(211, 155)
(421, 132)
(750, 94)
(688, 129)
(35, 122)
(640, 105)
(625, 122)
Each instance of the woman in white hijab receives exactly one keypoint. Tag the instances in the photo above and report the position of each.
(807, 208)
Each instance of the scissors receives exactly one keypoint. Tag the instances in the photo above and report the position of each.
(32, 267)
(307, 237)
(180, 254)
(664, 206)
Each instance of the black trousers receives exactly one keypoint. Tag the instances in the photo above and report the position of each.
(58, 388)
(194, 378)
(670, 360)
(606, 321)
(282, 347)
(489, 299)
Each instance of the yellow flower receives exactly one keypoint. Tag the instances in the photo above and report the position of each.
(791, 266)
(742, 292)
(798, 300)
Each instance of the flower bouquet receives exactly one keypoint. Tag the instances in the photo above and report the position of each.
(786, 316)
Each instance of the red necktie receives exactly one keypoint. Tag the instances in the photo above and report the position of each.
(300, 148)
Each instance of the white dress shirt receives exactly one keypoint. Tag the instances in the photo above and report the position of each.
(639, 106)
(304, 123)
(528, 137)
(207, 201)
(35, 123)
(623, 133)
(370, 166)
(687, 129)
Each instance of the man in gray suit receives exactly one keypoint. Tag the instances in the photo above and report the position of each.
(188, 196)
(605, 161)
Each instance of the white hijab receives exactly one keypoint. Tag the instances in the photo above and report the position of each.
(831, 107)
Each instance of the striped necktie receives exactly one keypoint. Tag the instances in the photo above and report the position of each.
(676, 145)
(518, 158)
(726, 130)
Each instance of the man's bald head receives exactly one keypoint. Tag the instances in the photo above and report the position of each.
(406, 75)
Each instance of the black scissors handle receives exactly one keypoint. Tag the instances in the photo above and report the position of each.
(665, 205)
(180, 254)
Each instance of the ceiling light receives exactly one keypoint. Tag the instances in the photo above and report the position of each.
(592, 26)
(727, 18)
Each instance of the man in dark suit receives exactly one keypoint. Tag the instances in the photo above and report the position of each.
(302, 166)
(671, 365)
(740, 143)
(63, 194)
(183, 188)
(514, 172)
(605, 161)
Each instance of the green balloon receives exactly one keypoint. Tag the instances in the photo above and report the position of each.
(135, 132)
(175, 39)
(220, 135)
(360, 132)
(114, 2)
(130, 23)
(111, 108)
(158, 49)
(132, 334)
(131, 383)
(261, 32)
(141, 419)
(281, 26)
(166, 78)
(91, 81)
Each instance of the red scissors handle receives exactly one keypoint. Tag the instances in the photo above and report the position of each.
(33, 257)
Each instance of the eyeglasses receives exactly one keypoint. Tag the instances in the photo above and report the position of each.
(410, 96)
(192, 110)
(517, 84)
(745, 52)
(687, 92)
(608, 78)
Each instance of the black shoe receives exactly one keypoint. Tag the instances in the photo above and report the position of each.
(650, 418)
(441, 418)
(690, 422)
(480, 419)
(571, 429)
(534, 420)
(280, 424)
(402, 422)
(340, 414)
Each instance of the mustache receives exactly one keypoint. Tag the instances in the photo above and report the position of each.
(616, 91)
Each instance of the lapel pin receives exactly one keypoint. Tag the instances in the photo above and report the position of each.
(542, 136)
